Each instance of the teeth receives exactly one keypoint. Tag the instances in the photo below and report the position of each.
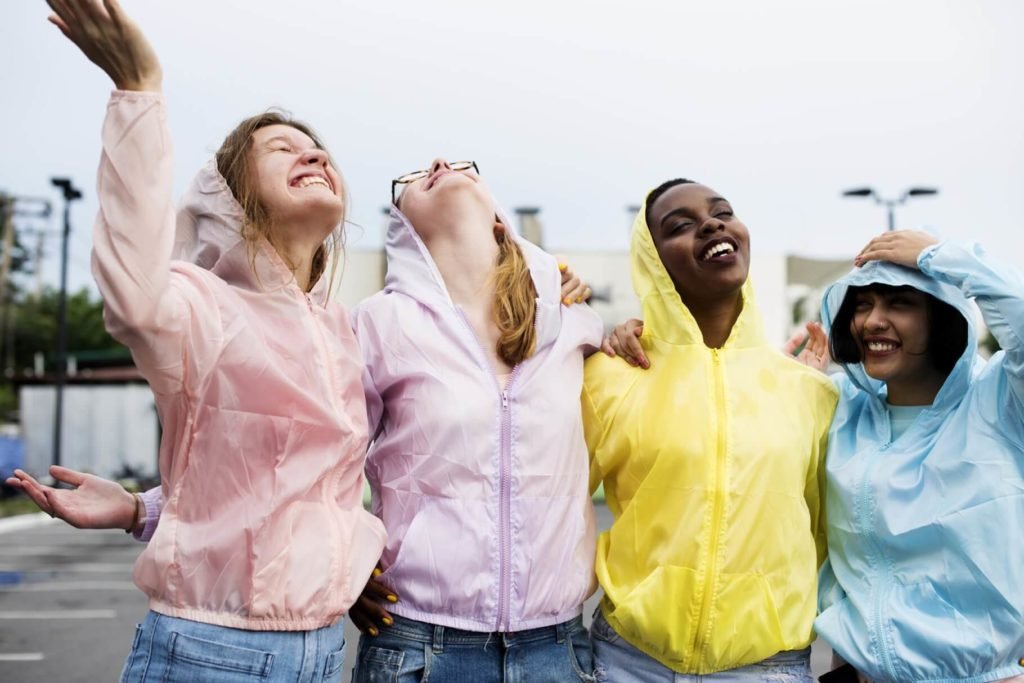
(308, 180)
(881, 346)
(720, 248)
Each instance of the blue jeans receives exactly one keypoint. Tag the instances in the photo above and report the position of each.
(415, 651)
(617, 661)
(172, 650)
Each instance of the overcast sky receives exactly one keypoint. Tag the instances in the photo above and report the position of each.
(575, 107)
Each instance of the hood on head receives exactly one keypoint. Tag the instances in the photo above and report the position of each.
(884, 273)
(208, 234)
(665, 315)
(412, 271)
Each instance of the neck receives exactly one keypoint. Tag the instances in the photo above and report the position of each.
(717, 317)
(920, 391)
(465, 254)
(297, 247)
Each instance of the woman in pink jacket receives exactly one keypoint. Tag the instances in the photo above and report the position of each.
(263, 542)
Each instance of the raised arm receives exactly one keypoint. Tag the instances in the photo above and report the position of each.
(134, 233)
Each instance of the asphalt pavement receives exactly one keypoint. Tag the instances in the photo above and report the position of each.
(68, 607)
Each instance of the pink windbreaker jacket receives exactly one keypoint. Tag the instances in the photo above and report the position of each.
(258, 387)
(483, 490)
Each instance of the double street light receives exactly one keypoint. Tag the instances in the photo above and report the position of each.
(891, 204)
(71, 193)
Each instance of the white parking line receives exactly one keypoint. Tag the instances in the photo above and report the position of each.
(22, 657)
(70, 567)
(56, 586)
(61, 614)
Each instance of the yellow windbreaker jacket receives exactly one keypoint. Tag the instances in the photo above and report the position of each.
(712, 467)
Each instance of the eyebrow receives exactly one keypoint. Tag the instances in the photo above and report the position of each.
(288, 141)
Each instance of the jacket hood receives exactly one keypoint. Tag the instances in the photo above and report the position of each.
(880, 272)
(208, 234)
(665, 315)
(412, 271)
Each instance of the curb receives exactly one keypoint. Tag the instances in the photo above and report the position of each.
(20, 522)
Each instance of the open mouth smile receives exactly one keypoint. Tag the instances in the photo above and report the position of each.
(719, 250)
(310, 180)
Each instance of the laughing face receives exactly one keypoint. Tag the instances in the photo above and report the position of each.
(705, 248)
(890, 327)
(445, 196)
(294, 178)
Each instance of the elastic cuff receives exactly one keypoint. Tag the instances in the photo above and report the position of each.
(135, 96)
(152, 517)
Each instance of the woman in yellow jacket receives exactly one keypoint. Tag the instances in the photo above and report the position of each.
(711, 464)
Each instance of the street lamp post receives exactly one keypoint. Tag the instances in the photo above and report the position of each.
(891, 204)
(71, 193)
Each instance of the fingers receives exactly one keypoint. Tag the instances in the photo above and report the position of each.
(367, 616)
(795, 341)
(376, 589)
(606, 347)
(38, 495)
(59, 23)
(67, 476)
(634, 349)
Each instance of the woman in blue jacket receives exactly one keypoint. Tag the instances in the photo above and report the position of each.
(925, 466)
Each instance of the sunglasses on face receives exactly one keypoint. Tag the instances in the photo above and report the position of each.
(419, 175)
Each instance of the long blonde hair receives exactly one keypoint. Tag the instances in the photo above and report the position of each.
(235, 163)
(515, 300)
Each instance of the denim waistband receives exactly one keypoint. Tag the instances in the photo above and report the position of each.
(439, 636)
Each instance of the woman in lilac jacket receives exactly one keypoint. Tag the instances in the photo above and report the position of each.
(478, 466)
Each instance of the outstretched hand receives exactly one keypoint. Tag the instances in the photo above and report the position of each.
(815, 353)
(94, 503)
(111, 41)
(902, 247)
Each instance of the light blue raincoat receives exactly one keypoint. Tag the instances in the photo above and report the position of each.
(925, 577)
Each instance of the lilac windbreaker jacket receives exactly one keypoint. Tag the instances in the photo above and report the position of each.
(483, 490)
(258, 388)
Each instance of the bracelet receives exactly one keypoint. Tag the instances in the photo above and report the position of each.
(135, 515)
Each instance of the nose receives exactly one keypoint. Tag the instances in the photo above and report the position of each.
(711, 226)
(877, 319)
(438, 164)
(315, 157)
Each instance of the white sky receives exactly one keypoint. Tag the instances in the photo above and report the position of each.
(576, 107)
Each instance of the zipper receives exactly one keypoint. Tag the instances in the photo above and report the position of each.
(717, 513)
(504, 478)
(866, 523)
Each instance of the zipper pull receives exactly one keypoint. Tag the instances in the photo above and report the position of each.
(504, 400)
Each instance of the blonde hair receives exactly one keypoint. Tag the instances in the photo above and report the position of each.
(515, 300)
(235, 163)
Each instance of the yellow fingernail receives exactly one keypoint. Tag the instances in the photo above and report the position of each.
(372, 631)
(392, 598)
(388, 620)
(562, 266)
(377, 571)
(567, 301)
(579, 299)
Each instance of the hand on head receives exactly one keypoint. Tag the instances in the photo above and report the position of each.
(111, 41)
(94, 503)
(902, 247)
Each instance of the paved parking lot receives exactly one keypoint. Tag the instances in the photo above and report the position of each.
(68, 607)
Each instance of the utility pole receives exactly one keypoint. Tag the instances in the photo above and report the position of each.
(71, 193)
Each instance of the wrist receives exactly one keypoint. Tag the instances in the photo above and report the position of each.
(137, 513)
